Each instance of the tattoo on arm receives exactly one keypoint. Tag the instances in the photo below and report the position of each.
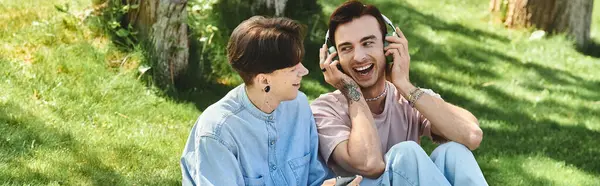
(350, 89)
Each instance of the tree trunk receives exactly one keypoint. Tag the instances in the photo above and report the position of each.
(572, 17)
(161, 24)
(278, 5)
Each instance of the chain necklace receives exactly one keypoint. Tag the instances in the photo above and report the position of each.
(380, 95)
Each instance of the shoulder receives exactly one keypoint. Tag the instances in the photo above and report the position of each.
(330, 100)
(213, 119)
(330, 106)
(299, 106)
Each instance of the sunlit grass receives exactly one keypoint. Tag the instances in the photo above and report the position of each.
(73, 111)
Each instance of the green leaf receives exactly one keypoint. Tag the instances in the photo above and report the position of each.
(114, 25)
(122, 33)
(61, 8)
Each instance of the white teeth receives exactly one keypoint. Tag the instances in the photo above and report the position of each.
(363, 68)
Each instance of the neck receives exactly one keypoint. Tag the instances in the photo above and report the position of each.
(375, 106)
(262, 100)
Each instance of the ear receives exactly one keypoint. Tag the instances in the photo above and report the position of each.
(261, 79)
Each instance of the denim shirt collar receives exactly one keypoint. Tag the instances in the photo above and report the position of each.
(252, 108)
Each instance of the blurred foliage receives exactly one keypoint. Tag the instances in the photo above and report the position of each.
(119, 30)
(212, 21)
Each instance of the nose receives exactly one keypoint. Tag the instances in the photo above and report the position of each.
(360, 54)
(303, 70)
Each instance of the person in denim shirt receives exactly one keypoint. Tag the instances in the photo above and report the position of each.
(263, 131)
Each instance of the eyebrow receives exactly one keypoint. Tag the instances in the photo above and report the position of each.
(361, 40)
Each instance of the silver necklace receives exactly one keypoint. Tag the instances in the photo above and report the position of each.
(380, 95)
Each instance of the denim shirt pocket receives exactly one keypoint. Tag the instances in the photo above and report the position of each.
(300, 167)
(254, 181)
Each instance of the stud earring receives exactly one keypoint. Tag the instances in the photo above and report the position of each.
(267, 88)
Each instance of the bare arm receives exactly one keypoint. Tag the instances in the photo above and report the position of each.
(449, 121)
(361, 153)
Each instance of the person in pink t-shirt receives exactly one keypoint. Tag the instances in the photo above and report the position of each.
(371, 124)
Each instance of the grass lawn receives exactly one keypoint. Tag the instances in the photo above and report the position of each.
(74, 112)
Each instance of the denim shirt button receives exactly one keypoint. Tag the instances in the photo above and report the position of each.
(272, 142)
(273, 167)
(270, 117)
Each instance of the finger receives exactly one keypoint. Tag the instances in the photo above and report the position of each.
(399, 32)
(329, 58)
(396, 53)
(393, 39)
(329, 182)
(332, 67)
(388, 52)
(397, 46)
(356, 180)
(393, 51)
(334, 64)
(322, 54)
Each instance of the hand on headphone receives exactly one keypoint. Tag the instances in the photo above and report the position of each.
(398, 48)
(332, 74)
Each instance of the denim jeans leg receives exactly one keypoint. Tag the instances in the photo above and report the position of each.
(458, 164)
(408, 164)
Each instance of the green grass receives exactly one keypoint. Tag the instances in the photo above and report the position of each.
(74, 112)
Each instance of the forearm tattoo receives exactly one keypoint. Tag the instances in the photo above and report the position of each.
(350, 89)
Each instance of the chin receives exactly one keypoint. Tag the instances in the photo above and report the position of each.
(292, 96)
(367, 83)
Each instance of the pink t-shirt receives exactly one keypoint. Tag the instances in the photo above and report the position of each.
(397, 123)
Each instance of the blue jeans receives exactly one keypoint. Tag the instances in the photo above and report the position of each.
(450, 164)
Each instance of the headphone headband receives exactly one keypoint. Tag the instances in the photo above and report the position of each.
(385, 19)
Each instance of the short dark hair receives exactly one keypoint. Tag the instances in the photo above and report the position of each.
(263, 45)
(351, 10)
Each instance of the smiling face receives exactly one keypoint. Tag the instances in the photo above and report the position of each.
(285, 82)
(360, 49)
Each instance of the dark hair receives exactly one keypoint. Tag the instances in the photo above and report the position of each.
(263, 45)
(351, 10)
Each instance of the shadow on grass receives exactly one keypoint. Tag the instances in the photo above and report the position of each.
(593, 49)
(27, 141)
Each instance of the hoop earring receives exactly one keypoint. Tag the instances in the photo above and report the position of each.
(267, 88)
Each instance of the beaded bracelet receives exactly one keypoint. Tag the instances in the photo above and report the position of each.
(411, 93)
(414, 96)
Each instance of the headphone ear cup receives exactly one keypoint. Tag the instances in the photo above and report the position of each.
(331, 50)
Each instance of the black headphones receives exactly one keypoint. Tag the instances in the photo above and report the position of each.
(387, 21)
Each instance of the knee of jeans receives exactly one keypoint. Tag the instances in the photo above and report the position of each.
(405, 148)
(453, 148)
(404, 153)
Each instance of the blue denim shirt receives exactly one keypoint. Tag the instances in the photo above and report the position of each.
(235, 143)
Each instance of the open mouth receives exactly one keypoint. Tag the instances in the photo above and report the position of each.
(364, 70)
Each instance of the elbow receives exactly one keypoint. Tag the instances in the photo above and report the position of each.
(474, 138)
(372, 169)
